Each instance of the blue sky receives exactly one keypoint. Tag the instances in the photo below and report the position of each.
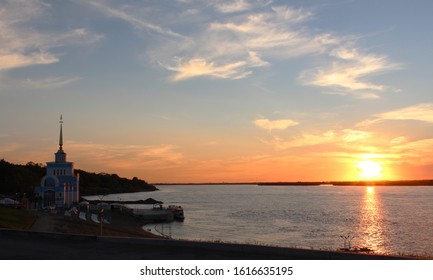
(194, 91)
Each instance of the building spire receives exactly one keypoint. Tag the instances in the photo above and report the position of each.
(60, 155)
(61, 134)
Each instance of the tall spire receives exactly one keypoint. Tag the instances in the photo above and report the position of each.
(61, 133)
(61, 155)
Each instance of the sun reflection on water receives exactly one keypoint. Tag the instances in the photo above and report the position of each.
(371, 230)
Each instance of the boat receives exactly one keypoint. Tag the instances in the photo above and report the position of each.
(177, 211)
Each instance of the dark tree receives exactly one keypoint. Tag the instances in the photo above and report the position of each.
(16, 178)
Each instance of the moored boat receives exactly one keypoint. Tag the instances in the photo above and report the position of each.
(177, 211)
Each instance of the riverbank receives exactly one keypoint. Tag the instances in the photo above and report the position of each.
(121, 225)
(13, 218)
(55, 236)
(19, 245)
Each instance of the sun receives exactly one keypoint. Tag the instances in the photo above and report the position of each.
(370, 169)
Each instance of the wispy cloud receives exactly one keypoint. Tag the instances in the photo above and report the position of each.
(268, 34)
(345, 138)
(9, 147)
(242, 42)
(17, 60)
(415, 152)
(421, 112)
(146, 161)
(350, 71)
(18, 47)
(23, 45)
(254, 34)
(127, 156)
(231, 6)
(50, 82)
(200, 67)
(302, 140)
(291, 14)
(270, 125)
(247, 35)
(351, 135)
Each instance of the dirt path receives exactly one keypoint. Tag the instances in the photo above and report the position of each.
(43, 223)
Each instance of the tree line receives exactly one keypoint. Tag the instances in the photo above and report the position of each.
(18, 179)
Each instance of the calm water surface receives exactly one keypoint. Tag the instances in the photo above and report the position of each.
(385, 219)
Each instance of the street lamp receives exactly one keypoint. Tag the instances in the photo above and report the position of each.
(101, 217)
(101, 211)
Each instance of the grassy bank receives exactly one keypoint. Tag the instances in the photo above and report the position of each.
(121, 226)
(16, 218)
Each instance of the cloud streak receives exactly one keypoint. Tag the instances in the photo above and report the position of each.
(23, 45)
(231, 6)
(250, 39)
(422, 112)
(200, 67)
(345, 138)
(303, 140)
(128, 156)
(270, 125)
(240, 36)
(129, 17)
(17, 60)
(350, 71)
(9, 147)
(50, 82)
(415, 152)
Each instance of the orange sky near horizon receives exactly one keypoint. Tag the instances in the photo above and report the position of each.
(171, 166)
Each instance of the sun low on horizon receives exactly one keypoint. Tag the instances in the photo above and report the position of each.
(370, 169)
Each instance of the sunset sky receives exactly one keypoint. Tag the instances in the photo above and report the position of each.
(220, 91)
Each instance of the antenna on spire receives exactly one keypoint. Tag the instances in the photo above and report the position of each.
(61, 134)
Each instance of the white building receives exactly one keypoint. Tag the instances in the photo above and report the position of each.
(60, 186)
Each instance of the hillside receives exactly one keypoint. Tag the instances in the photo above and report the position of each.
(17, 178)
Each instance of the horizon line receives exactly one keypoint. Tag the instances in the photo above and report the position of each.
(307, 183)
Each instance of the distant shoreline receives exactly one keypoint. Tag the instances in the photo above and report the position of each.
(354, 183)
(428, 182)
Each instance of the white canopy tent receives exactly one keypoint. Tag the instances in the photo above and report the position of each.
(8, 202)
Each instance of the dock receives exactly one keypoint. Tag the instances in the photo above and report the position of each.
(158, 214)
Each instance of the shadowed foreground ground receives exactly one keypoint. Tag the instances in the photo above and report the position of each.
(56, 246)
